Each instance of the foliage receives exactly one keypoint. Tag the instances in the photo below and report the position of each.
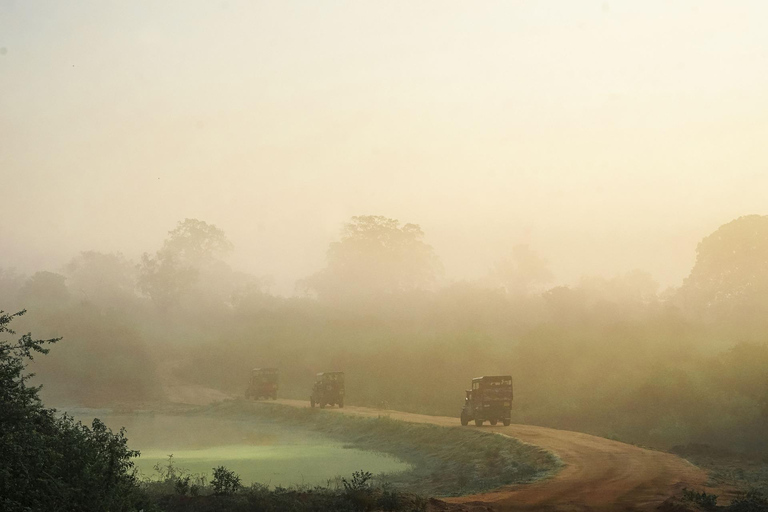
(224, 481)
(45, 289)
(298, 499)
(50, 462)
(702, 499)
(192, 247)
(730, 277)
(108, 280)
(360, 480)
(752, 501)
(376, 255)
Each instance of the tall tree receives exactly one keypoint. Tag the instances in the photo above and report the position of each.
(45, 289)
(730, 276)
(191, 247)
(105, 279)
(376, 255)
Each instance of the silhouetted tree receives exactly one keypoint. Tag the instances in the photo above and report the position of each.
(192, 246)
(46, 289)
(730, 276)
(375, 255)
(101, 278)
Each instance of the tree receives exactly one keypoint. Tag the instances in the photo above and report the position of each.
(191, 247)
(10, 284)
(45, 289)
(522, 271)
(730, 277)
(51, 462)
(102, 278)
(376, 255)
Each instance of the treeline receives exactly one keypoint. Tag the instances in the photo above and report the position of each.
(609, 356)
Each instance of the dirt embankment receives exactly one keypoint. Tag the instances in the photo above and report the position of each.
(599, 474)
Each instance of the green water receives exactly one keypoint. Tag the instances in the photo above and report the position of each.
(258, 452)
(276, 465)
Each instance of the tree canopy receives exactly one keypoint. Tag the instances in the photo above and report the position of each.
(191, 247)
(51, 462)
(731, 270)
(376, 255)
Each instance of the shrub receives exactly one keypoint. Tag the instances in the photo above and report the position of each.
(702, 499)
(225, 481)
(752, 501)
(51, 462)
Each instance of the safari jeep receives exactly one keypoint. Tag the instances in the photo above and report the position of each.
(490, 399)
(328, 389)
(263, 384)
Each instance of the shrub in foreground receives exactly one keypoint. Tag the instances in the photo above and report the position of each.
(354, 495)
(52, 462)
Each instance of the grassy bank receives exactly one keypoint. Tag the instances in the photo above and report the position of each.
(728, 469)
(445, 461)
(177, 493)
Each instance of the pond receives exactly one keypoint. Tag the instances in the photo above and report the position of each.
(262, 452)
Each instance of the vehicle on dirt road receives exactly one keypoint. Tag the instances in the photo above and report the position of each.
(490, 399)
(328, 390)
(263, 384)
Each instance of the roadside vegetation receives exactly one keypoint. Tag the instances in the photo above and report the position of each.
(179, 491)
(752, 500)
(732, 470)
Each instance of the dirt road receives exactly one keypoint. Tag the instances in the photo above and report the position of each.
(599, 474)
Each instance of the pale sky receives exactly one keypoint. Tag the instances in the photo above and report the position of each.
(609, 136)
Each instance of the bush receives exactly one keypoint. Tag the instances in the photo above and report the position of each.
(225, 481)
(752, 501)
(51, 462)
(702, 499)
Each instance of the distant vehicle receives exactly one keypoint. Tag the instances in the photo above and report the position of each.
(263, 384)
(489, 399)
(328, 389)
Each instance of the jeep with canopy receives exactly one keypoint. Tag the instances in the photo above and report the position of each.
(490, 399)
(262, 384)
(328, 389)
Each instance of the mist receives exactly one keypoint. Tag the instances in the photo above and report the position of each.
(415, 194)
(609, 137)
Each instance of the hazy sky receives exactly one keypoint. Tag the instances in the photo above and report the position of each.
(607, 135)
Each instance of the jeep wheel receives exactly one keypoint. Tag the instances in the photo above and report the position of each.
(506, 422)
(464, 419)
(479, 423)
(494, 422)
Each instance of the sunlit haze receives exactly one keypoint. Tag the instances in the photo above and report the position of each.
(607, 136)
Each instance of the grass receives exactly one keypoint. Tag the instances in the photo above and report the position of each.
(727, 468)
(354, 495)
(444, 461)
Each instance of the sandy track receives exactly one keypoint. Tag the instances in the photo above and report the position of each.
(599, 474)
